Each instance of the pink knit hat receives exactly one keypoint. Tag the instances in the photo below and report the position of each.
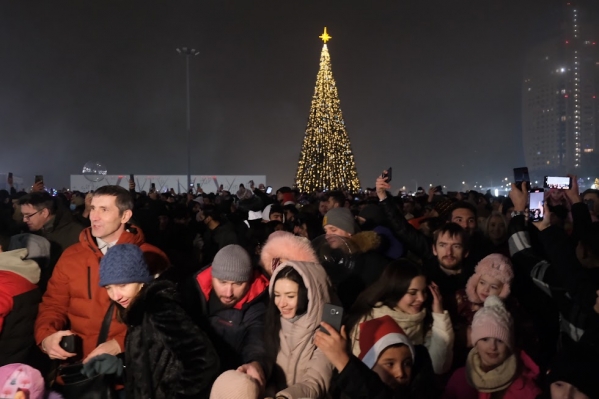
(234, 384)
(496, 266)
(17, 377)
(378, 334)
(493, 321)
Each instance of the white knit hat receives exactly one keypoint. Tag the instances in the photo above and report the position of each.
(234, 384)
(493, 321)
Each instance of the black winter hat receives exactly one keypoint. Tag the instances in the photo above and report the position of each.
(577, 366)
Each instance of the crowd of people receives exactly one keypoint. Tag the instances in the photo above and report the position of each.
(124, 294)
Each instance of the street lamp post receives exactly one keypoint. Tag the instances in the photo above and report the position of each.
(188, 52)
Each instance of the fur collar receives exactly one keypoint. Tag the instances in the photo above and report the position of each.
(154, 297)
(366, 241)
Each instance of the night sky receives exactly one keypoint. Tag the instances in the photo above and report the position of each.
(432, 88)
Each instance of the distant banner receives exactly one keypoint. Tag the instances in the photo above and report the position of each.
(209, 183)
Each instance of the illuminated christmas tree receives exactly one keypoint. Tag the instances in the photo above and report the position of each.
(326, 160)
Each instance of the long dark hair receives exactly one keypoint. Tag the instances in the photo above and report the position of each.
(391, 286)
(273, 316)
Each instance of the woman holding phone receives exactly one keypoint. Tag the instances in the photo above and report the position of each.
(298, 293)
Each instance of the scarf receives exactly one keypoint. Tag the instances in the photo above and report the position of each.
(498, 379)
(412, 324)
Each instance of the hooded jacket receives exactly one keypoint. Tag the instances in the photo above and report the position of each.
(74, 295)
(300, 366)
(282, 245)
(19, 299)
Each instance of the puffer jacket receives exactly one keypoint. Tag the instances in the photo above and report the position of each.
(438, 340)
(237, 332)
(306, 370)
(523, 387)
(19, 300)
(74, 295)
(166, 354)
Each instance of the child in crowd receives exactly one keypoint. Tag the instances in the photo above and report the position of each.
(388, 366)
(492, 276)
(494, 368)
(19, 381)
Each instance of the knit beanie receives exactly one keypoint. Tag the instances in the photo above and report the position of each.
(496, 266)
(17, 377)
(37, 246)
(232, 263)
(234, 384)
(493, 321)
(378, 334)
(577, 366)
(124, 264)
(341, 218)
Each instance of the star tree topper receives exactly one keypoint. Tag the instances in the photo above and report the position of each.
(325, 36)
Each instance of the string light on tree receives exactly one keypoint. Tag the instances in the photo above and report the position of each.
(326, 159)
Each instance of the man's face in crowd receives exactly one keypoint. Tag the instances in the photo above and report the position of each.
(289, 216)
(107, 222)
(323, 207)
(465, 218)
(35, 220)
(449, 251)
(595, 201)
(230, 292)
(497, 229)
(331, 203)
(276, 216)
(329, 229)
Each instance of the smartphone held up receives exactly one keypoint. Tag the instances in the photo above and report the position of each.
(536, 201)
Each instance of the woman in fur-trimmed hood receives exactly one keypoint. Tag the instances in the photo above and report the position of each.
(282, 246)
(350, 274)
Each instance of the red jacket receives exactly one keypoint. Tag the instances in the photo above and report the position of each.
(523, 387)
(74, 293)
(11, 285)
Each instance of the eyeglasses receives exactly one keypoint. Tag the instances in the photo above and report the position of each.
(27, 217)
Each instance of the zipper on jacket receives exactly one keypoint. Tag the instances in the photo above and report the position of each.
(89, 282)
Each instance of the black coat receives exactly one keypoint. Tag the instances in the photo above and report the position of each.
(357, 381)
(166, 354)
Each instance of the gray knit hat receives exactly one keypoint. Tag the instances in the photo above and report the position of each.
(232, 263)
(341, 218)
(124, 264)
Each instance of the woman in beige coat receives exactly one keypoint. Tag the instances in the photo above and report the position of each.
(298, 291)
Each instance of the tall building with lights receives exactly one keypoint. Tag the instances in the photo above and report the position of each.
(560, 108)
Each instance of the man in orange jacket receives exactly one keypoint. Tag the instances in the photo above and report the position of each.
(74, 296)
